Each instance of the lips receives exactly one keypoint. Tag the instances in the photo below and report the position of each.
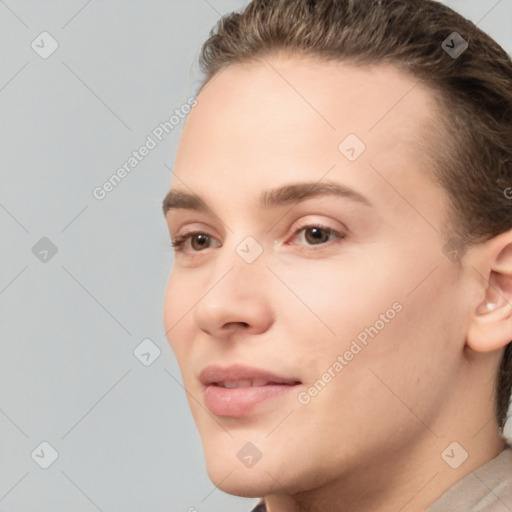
(242, 374)
(236, 390)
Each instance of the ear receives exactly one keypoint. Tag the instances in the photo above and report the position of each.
(491, 324)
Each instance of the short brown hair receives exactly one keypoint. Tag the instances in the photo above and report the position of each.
(473, 160)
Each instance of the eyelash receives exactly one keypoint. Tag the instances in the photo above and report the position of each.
(178, 243)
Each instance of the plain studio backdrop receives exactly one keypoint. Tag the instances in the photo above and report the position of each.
(92, 414)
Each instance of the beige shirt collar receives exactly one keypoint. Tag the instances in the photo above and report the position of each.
(487, 489)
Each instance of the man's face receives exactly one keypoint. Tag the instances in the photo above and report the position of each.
(346, 299)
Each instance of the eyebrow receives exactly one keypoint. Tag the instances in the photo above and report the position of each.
(282, 196)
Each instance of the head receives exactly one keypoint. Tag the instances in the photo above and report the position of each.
(346, 179)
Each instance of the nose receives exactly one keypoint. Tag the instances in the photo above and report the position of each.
(237, 300)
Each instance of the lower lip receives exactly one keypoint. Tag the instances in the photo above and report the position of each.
(235, 402)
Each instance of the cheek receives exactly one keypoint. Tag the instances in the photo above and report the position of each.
(178, 301)
(414, 359)
(394, 318)
(407, 360)
(336, 302)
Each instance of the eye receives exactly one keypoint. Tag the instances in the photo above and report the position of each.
(313, 234)
(198, 241)
(316, 234)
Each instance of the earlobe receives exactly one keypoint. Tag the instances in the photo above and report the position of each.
(491, 324)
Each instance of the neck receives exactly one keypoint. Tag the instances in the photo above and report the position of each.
(408, 480)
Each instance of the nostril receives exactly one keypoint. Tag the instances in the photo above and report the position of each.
(234, 326)
(243, 324)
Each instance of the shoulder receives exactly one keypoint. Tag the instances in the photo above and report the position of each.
(487, 489)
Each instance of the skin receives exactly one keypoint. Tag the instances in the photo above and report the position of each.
(372, 439)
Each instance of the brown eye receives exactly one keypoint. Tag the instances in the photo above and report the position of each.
(315, 235)
(193, 242)
(199, 241)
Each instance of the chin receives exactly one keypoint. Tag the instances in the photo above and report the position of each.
(246, 483)
(270, 475)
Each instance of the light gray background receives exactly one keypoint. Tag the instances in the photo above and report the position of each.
(123, 432)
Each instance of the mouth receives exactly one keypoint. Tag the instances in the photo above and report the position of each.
(254, 383)
(236, 390)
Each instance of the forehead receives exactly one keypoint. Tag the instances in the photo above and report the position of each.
(283, 118)
(335, 94)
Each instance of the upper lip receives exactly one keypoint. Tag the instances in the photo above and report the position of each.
(215, 374)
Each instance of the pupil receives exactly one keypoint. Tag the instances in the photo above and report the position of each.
(317, 234)
(200, 240)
